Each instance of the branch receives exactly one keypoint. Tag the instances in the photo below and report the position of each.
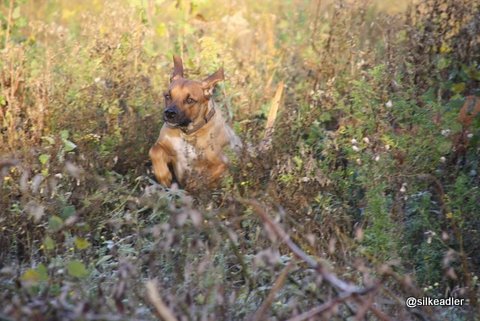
(347, 290)
(154, 297)
(331, 278)
(322, 308)
(259, 315)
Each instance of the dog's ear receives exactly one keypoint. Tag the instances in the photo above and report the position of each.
(209, 83)
(177, 68)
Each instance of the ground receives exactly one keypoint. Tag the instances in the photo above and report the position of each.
(365, 195)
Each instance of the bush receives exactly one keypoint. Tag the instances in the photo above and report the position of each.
(372, 170)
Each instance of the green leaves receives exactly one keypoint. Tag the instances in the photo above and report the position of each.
(443, 63)
(81, 243)
(67, 144)
(48, 243)
(55, 223)
(35, 276)
(458, 88)
(50, 141)
(43, 158)
(444, 147)
(68, 211)
(76, 269)
(16, 13)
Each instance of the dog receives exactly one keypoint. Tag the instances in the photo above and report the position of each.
(190, 148)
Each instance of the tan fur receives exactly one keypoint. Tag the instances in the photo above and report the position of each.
(196, 158)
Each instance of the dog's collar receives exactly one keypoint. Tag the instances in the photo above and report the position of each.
(190, 130)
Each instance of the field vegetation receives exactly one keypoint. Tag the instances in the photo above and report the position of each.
(365, 193)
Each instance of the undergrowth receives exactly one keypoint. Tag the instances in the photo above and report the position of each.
(372, 170)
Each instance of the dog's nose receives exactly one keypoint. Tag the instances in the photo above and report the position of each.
(170, 113)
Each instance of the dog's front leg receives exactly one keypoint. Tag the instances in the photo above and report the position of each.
(216, 169)
(160, 160)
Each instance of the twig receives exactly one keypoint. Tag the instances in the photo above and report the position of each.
(379, 314)
(272, 114)
(266, 143)
(9, 23)
(322, 308)
(315, 26)
(154, 297)
(363, 309)
(347, 289)
(228, 105)
(259, 314)
(319, 267)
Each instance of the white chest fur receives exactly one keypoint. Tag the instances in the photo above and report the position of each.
(186, 153)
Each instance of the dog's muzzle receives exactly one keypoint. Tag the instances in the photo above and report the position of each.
(170, 114)
(174, 117)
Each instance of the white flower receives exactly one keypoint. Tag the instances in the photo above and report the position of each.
(389, 104)
(387, 147)
(443, 159)
(403, 189)
(469, 135)
(359, 161)
(366, 140)
(377, 158)
(355, 148)
(445, 132)
(354, 141)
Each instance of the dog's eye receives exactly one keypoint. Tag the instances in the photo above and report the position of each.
(190, 100)
(168, 97)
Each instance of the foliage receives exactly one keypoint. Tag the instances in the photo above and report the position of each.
(373, 169)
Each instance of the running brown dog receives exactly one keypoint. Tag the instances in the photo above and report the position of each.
(190, 148)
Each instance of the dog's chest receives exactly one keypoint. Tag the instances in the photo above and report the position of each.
(190, 156)
(185, 150)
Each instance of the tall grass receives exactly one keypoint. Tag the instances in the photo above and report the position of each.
(367, 195)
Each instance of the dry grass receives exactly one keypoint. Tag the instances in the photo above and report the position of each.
(364, 193)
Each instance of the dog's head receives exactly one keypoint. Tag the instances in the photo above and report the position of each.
(187, 100)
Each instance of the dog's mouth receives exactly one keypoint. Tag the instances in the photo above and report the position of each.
(181, 122)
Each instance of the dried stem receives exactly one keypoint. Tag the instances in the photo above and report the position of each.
(346, 289)
(322, 308)
(9, 22)
(259, 315)
(319, 267)
(154, 297)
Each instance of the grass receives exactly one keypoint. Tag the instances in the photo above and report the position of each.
(366, 193)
